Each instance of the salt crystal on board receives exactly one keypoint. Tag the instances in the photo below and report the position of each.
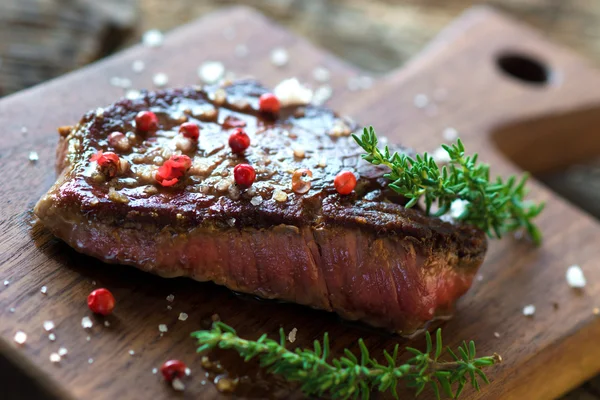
(20, 337)
(292, 335)
(450, 134)
(322, 94)
(163, 328)
(152, 38)
(154, 370)
(86, 322)
(211, 71)
(48, 325)
(575, 277)
(292, 92)
(138, 66)
(62, 351)
(54, 357)
(170, 298)
(241, 50)
(131, 352)
(106, 324)
(132, 94)
(183, 316)
(279, 57)
(421, 101)
(90, 360)
(33, 156)
(12, 310)
(178, 385)
(529, 310)
(88, 338)
(52, 337)
(458, 207)
(44, 290)
(160, 79)
(6, 282)
(321, 74)
(496, 334)
(440, 155)
(23, 129)
(188, 372)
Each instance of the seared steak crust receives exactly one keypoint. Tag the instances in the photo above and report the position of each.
(363, 256)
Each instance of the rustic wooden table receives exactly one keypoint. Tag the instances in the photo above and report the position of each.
(377, 35)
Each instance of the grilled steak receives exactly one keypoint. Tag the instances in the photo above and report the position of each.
(362, 255)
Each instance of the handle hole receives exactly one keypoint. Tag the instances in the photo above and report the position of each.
(524, 68)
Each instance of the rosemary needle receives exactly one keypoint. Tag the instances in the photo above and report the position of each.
(356, 377)
(497, 207)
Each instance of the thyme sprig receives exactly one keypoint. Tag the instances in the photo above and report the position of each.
(497, 207)
(356, 377)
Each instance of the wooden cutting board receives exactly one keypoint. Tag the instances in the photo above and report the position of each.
(458, 81)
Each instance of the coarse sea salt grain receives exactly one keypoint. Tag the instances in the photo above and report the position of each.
(279, 57)
(322, 94)
(256, 200)
(496, 334)
(163, 328)
(241, 50)
(160, 79)
(178, 385)
(6, 282)
(321, 74)
(12, 309)
(48, 325)
(54, 357)
(44, 290)
(450, 134)
(440, 155)
(421, 100)
(86, 322)
(154, 370)
(188, 372)
(120, 82)
(131, 352)
(575, 277)
(20, 337)
(152, 38)
(138, 66)
(292, 335)
(458, 207)
(106, 324)
(211, 71)
(170, 298)
(280, 195)
(90, 360)
(132, 94)
(33, 156)
(52, 337)
(292, 92)
(88, 338)
(183, 316)
(529, 310)
(62, 351)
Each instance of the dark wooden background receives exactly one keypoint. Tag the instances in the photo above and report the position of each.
(44, 39)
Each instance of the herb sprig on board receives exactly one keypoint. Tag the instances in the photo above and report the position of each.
(497, 206)
(356, 377)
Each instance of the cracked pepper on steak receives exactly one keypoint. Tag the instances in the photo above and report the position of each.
(363, 255)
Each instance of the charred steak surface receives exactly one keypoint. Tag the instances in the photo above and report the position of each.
(363, 255)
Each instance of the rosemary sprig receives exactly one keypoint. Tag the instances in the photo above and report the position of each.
(352, 377)
(497, 207)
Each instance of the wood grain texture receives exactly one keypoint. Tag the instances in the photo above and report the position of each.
(487, 107)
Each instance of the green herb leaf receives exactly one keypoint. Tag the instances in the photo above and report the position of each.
(496, 207)
(351, 377)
